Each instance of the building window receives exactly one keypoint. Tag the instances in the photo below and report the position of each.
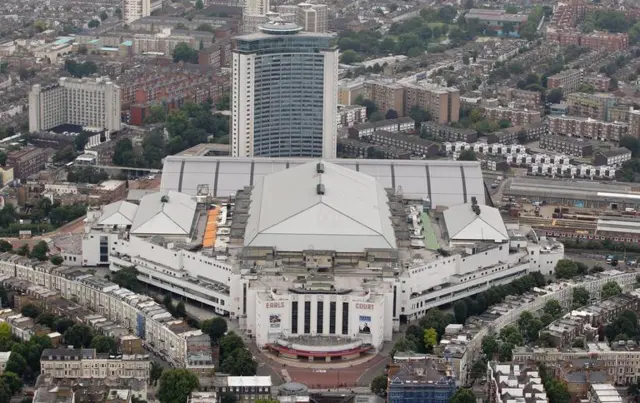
(320, 317)
(307, 317)
(294, 317)
(345, 318)
(332, 317)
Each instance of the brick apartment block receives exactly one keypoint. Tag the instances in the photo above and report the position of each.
(568, 80)
(517, 117)
(588, 128)
(594, 106)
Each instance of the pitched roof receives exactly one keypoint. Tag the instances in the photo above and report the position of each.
(464, 224)
(351, 215)
(118, 213)
(164, 212)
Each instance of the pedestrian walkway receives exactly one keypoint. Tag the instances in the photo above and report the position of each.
(321, 364)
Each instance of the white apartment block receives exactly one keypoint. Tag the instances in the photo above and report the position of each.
(310, 16)
(349, 115)
(135, 9)
(88, 102)
(592, 129)
(139, 313)
(256, 7)
(69, 363)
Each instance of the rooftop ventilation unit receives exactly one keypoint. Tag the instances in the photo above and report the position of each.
(474, 201)
(476, 209)
(320, 168)
(320, 189)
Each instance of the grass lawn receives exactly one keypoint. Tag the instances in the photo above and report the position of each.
(430, 238)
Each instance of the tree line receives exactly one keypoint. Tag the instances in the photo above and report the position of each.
(596, 245)
(191, 125)
(39, 213)
(423, 336)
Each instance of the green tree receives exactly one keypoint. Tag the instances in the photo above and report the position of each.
(509, 9)
(156, 114)
(123, 154)
(46, 318)
(367, 103)
(23, 250)
(467, 155)
(12, 380)
(93, 23)
(78, 336)
(391, 114)
(350, 57)
(609, 289)
(168, 302)
(419, 115)
(31, 311)
(555, 96)
(3, 158)
(505, 352)
(199, 5)
(529, 326)
(5, 246)
(228, 397)
(103, 15)
(82, 139)
(127, 278)
(229, 343)
(239, 363)
(181, 311)
(40, 251)
(64, 155)
(184, 53)
(57, 260)
(511, 334)
(215, 328)
(5, 331)
(580, 297)
(40, 26)
(478, 369)
(553, 308)
(435, 318)
(104, 344)
(460, 311)
(379, 385)
(176, 385)
(546, 319)
(224, 104)
(155, 373)
(154, 149)
(205, 28)
(430, 338)
(463, 395)
(376, 116)
(62, 324)
(566, 268)
(404, 344)
(623, 327)
(490, 346)
(16, 363)
(631, 143)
